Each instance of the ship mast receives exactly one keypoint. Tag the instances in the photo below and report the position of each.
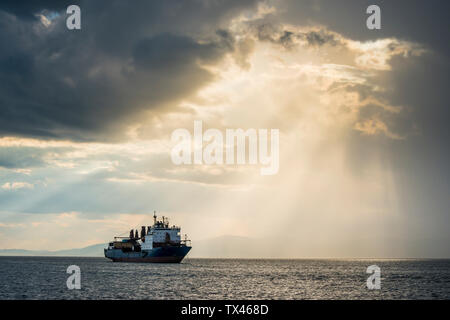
(154, 217)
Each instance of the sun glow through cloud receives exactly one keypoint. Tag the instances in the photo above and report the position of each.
(329, 94)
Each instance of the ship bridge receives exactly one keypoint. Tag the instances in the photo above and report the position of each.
(161, 234)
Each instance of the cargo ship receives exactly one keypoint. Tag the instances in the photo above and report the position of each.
(157, 243)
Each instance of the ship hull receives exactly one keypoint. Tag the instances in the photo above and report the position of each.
(156, 255)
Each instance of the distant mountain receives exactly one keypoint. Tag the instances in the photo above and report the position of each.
(226, 246)
(95, 250)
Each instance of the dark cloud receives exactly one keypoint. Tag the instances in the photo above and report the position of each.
(416, 20)
(319, 38)
(168, 53)
(274, 32)
(29, 9)
(126, 60)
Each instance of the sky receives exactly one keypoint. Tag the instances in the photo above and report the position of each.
(86, 118)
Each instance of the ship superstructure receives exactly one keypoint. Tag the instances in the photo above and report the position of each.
(157, 243)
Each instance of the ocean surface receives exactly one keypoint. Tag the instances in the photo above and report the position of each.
(45, 278)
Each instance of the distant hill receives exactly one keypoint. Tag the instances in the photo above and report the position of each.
(95, 250)
(226, 246)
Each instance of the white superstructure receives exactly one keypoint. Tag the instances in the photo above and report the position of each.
(160, 233)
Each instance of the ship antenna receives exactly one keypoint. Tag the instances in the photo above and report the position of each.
(154, 217)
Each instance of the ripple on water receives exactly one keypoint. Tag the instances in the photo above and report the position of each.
(45, 278)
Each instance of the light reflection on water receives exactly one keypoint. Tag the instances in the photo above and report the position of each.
(45, 278)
